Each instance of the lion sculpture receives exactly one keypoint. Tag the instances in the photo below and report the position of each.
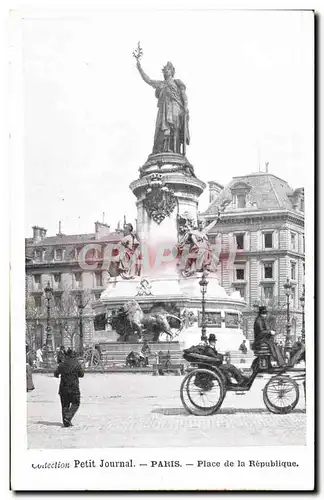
(130, 318)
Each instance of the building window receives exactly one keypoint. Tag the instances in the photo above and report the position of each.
(57, 278)
(303, 244)
(268, 270)
(240, 274)
(293, 270)
(304, 268)
(78, 280)
(98, 278)
(293, 241)
(268, 292)
(302, 204)
(268, 237)
(240, 201)
(240, 241)
(38, 255)
(293, 296)
(38, 302)
(37, 282)
(57, 300)
(58, 255)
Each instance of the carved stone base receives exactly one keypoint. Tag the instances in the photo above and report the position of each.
(167, 163)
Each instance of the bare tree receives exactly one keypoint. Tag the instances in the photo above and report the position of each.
(65, 314)
(34, 316)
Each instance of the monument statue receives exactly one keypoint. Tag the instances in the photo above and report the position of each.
(171, 129)
(194, 243)
(199, 253)
(127, 264)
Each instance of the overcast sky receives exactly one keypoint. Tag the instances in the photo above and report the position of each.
(89, 118)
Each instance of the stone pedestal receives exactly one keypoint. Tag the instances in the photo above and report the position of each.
(166, 190)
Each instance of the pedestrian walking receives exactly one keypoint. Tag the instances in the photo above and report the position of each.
(39, 357)
(70, 371)
(29, 374)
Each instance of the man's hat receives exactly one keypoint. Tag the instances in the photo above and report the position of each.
(212, 337)
(263, 310)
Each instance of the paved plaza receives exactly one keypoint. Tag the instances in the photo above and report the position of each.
(140, 410)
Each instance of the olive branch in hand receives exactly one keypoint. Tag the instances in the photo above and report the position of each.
(138, 52)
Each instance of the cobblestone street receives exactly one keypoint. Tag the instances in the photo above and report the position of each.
(137, 410)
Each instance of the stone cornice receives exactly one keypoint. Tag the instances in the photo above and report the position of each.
(241, 217)
(266, 253)
(176, 180)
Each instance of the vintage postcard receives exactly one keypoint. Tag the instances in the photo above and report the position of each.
(162, 274)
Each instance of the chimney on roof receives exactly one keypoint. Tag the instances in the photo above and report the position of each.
(214, 189)
(39, 233)
(102, 230)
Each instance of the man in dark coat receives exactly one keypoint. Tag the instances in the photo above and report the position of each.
(29, 373)
(263, 334)
(70, 370)
(228, 369)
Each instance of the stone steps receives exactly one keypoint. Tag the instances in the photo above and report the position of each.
(115, 353)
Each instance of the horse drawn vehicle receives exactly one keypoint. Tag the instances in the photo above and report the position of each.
(205, 386)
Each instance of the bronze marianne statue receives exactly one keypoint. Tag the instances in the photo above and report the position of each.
(171, 129)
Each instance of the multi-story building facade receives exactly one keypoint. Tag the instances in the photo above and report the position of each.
(73, 265)
(261, 230)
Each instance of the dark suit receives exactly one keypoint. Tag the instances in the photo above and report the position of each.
(69, 390)
(227, 369)
(262, 334)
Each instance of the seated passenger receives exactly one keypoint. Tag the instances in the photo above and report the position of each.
(263, 334)
(226, 368)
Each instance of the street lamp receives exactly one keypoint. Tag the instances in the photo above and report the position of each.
(302, 303)
(288, 287)
(49, 340)
(203, 288)
(81, 306)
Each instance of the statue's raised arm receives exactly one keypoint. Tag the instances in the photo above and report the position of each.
(209, 227)
(146, 78)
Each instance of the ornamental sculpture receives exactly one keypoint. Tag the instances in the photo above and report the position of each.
(160, 200)
(195, 249)
(127, 264)
(185, 222)
(144, 288)
(171, 129)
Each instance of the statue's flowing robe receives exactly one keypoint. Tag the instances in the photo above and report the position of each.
(171, 118)
(200, 253)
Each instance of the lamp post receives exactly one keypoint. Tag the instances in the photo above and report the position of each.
(49, 340)
(302, 303)
(81, 306)
(288, 287)
(203, 288)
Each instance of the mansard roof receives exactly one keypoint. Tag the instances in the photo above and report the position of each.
(68, 239)
(264, 191)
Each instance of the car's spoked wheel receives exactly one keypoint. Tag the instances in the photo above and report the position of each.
(202, 392)
(281, 394)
